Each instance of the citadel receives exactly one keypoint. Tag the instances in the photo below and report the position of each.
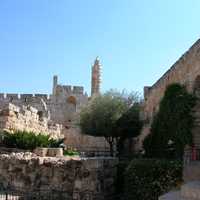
(56, 114)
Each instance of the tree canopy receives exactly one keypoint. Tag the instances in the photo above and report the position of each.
(129, 124)
(111, 115)
(172, 125)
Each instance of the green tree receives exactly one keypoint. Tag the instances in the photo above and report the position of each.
(172, 125)
(128, 125)
(103, 113)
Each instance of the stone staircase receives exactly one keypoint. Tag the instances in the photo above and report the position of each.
(189, 191)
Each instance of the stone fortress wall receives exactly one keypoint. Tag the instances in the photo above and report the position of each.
(185, 71)
(51, 112)
(26, 118)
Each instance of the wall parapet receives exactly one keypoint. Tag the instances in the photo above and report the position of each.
(15, 96)
(71, 89)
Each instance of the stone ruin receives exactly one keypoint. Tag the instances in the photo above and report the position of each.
(77, 179)
(26, 118)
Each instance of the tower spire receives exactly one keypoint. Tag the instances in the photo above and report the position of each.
(96, 75)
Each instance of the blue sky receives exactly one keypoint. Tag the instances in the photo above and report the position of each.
(136, 40)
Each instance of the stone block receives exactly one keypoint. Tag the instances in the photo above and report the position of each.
(55, 152)
(41, 151)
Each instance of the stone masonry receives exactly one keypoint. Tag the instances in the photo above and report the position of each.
(185, 71)
(26, 118)
(80, 178)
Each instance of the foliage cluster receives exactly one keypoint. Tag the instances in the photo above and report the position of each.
(147, 179)
(27, 140)
(70, 153)
(112, 115)
(172, 125)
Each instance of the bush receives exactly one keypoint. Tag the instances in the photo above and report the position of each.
(172, 124)
(55, 143)
(26, 140)
(70, 153)
(147, 179)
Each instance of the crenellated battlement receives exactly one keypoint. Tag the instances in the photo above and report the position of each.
(15, 96)
(71, 89)
(78, 90)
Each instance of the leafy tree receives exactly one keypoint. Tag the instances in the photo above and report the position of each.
(129, 125)
(172, 125)
(102, 116)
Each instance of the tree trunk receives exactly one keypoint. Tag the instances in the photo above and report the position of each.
(110, 141)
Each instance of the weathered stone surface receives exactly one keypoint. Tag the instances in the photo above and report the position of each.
(13, 117)
(78, 177)
(185, 71)
(49, 152)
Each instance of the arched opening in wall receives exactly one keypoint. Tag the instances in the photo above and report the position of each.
(71, 101)
(196, 87)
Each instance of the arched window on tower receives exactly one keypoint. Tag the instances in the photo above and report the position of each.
(72, 103)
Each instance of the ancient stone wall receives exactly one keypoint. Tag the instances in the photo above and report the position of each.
(80, 178)
(75, 139)
(13, 117)
(185, 71)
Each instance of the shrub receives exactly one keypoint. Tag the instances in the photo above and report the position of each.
(26, 140)
(55, 143)
(172, 124)
(70, 153)
(147, 179)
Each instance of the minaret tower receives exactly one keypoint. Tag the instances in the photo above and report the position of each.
(96, 75)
